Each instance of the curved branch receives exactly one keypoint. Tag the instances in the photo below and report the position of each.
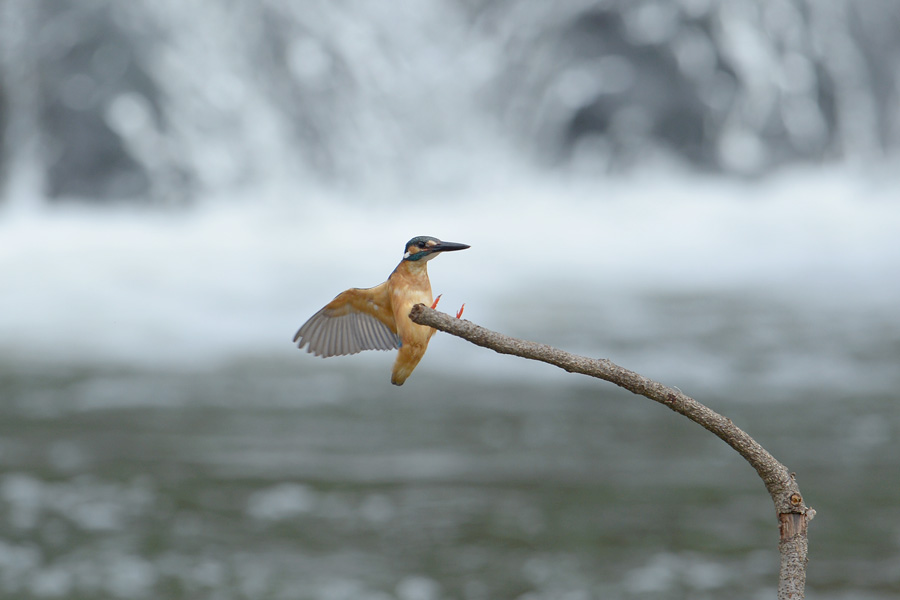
(793, 514)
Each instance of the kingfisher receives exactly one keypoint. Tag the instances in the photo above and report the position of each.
(377, 318)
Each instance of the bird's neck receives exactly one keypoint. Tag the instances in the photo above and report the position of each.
(413, 269)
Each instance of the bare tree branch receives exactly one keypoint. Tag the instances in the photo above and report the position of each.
(793, 514)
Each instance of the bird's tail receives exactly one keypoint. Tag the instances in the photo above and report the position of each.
(407, 359)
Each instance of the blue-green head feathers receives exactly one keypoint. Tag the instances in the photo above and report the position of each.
(418, 247)
(424, 246)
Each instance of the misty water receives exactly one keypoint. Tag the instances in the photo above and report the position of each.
(161, 437)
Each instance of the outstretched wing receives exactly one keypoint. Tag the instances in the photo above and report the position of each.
(356, 320)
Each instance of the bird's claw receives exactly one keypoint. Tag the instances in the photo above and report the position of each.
(458, 313)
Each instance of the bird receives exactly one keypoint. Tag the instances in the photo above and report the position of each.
(377, 318)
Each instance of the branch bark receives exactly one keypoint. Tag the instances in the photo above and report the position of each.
(792, 512)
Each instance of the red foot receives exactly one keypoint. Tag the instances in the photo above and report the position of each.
(461, 308)
(434, 304)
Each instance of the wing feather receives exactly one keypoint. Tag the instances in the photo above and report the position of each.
(354, 321)
(346, 342)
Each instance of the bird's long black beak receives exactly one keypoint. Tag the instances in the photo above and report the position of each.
(448, 247)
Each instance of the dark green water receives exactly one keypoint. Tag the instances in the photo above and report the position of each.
(319, 480)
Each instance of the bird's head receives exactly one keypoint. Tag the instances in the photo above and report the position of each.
(425, 248)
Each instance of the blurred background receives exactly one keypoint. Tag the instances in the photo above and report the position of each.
(705, 192)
